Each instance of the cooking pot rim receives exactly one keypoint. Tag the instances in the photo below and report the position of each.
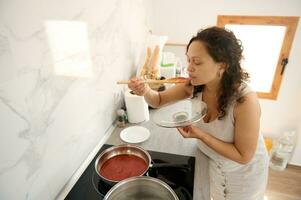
(135, 178)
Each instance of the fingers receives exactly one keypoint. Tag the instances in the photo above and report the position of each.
(180, 130)
(184, 131)
(134, 85)
(187, 131)
(138, 87)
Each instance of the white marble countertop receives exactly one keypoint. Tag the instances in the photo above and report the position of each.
(168, 140)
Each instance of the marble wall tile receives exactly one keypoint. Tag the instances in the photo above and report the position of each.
(50, 122)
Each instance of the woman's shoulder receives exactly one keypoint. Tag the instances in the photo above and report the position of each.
(244, 89)
(247, 100)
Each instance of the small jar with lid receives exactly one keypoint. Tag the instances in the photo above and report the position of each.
(121, 118)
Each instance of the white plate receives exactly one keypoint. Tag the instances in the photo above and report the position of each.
(181, 113)
(134, 134)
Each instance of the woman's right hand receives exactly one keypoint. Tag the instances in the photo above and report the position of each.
(138, 87)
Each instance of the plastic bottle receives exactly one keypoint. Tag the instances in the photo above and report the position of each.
(179, 67)
(283, 151)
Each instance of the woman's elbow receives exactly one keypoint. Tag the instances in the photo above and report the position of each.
(245, 159)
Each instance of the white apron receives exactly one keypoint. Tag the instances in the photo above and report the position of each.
(230, 180)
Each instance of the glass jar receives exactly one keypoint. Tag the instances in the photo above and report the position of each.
(282, 152)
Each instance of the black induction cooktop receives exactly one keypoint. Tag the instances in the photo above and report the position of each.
(89, 186)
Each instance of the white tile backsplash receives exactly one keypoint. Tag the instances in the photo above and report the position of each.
(49, 123)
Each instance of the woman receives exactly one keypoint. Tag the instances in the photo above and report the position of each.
(229, 133)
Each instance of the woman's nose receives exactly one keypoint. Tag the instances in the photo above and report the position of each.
(190, 68)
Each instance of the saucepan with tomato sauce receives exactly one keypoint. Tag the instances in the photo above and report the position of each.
(120, 162)
(124, 161)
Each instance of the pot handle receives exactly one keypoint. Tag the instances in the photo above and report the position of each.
(95, 187)
(185, 192)
(166, 165)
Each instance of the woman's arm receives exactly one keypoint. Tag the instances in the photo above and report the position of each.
(247, 120)
(157, 99)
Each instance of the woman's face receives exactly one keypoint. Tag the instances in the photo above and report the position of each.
(202, 69)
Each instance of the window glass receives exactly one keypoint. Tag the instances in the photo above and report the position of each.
(262, 45)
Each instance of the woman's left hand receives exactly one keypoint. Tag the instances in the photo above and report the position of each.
(190, 131)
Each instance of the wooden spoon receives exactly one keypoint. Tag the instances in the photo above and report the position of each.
(169, 80)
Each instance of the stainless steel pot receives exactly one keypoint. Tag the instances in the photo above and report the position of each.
(125, 149)
(141, 187)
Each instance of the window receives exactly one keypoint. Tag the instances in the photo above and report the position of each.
(267, 41)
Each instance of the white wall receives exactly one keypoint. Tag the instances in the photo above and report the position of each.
(181, 19)
(50, 123)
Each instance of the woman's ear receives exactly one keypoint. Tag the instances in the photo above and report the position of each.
(222, 69)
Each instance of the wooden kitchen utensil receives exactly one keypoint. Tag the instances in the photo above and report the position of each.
(169, 80)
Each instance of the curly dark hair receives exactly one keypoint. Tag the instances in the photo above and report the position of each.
(223, 46)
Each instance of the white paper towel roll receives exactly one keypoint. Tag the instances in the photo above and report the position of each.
(136, 107)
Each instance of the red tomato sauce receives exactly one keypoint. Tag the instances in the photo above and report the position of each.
(121, 167)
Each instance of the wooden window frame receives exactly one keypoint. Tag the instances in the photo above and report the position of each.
(291, 25)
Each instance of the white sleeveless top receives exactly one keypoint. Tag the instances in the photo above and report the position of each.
(229, 179)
